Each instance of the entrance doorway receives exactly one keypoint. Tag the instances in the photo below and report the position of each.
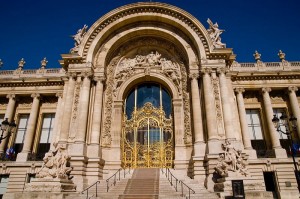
(271, 183)
(147, 133)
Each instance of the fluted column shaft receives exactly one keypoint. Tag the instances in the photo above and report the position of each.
(269, 115)
(242, 116)
(197, 117)
(67, 109)
(97, 112)
(8, 114)
(295, 106)
(210, 107)
(84, 108)
(31, 123)
(57, 120)
(227, 109)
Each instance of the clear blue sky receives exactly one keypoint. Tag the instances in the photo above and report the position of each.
(34, 29)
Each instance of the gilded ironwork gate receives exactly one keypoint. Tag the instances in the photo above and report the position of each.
(147, 138)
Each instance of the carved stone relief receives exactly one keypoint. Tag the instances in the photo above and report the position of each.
(215, 84)
(121, 69)
(75, 109)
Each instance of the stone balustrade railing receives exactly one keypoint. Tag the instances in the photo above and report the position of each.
(52, 72)
(265, 66)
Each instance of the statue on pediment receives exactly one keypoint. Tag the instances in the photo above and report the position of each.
(78, 38)
(214, 33)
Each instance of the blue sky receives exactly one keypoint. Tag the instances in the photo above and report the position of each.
(34, 29)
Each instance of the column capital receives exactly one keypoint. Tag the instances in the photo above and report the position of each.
(292, 88)
(205, 70)
(239, 90)
(266, 89)
(222, 70)
(59, 94)
(193, 76)
(86, 74)
(71, 75)
(35, 95)
(9, 96)
(99, 78)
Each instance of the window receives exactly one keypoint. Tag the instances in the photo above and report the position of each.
(3, 184)
(254, 124)
(255, 130)
(46, 134)
(278, 112)
(20, 136)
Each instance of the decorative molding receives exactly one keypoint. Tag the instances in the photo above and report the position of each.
(239, 90)
(292, 88)
(216, 91)
(266, 89)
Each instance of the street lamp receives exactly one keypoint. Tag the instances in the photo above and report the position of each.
(7, 127)
(285, 121)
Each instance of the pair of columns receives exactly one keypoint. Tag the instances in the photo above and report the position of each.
(269, 115)
(83, 107)
(210, 107)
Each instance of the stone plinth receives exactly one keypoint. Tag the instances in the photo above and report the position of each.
(50, 185)
(253, 186)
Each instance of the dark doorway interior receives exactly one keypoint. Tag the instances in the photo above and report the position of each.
(270, 182)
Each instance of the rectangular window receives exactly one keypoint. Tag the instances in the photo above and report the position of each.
(46, 135)
(254, 124)
(20, 135)
(47, 128)
(3, 184)
(278, 112)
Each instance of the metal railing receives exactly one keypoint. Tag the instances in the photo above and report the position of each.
(115, 177)
(175, 182)
(88, 189)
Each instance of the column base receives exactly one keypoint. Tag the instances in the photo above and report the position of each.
(252, 154)
(280, 153)
(22, 157)
(199, 149)
(215, 146)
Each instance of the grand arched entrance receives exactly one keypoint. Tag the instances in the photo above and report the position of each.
(147, 130)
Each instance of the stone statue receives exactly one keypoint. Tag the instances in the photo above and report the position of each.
(21, 64)
(44, 63)
(231, 160)
(78, 38)
(56, 164)
(214, 33)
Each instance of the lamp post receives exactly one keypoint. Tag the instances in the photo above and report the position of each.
(285, 121)
(7, 127)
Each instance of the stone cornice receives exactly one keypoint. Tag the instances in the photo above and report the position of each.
(30, 84)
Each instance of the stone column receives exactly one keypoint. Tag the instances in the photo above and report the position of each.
(272, 131)
(209, 106)
(64, 133)
(29, 134)
(197, 117)
(295, 106)
(8, 114)
(97, 111)
(84, 107)
(243, 120)
(227, 109)
(57, 120)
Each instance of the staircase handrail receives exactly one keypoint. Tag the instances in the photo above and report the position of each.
(87, 190)
(107, 181)
(170, 178)
(114, 176)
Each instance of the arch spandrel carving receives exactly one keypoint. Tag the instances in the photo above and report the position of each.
(125, 72)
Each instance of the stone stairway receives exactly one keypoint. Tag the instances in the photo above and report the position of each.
(149, 183)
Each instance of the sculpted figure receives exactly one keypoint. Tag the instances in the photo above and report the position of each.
(56, 164)
(214, 33)
(78, 38)
(222, 167)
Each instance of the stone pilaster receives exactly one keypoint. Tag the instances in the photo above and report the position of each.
(57, 121)
(272, 131)
(197, 117)
(295, 106)
(9, 115)
(210, 110)
(244, 124)
(29, 134)
(84, 107)
(227, 109)
(68, 102)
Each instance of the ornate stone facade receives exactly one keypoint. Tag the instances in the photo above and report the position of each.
(213, 100)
